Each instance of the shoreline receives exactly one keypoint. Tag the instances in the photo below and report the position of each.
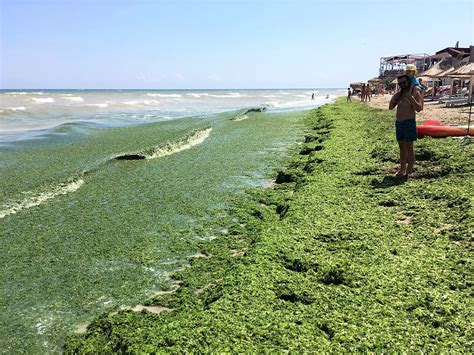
(336, 256)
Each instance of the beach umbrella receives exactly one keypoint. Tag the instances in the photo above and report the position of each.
(466, 71)
(433, 72)
(356, 85)
(445, 74)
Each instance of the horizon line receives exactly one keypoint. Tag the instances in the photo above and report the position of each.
(282, 88)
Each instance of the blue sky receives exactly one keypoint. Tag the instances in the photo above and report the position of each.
(217, 44)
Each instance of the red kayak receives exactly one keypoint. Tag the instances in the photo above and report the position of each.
(436, 129)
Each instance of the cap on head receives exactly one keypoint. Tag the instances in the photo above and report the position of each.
(410, 67)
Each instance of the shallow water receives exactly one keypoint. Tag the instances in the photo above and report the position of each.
(84, 232)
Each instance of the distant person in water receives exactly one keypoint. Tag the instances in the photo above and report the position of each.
(312, 96)
(327, 96)
(408, 101)
(349, 94)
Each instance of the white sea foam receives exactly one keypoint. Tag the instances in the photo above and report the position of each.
(141, 102)
(164, 95)
(240, 118)
(197, 95)
(23, 93)
(37, 200)
(42, 100)
(231, 95)
(20, 108)
(97, 105)
(73, 98)
(189, 142)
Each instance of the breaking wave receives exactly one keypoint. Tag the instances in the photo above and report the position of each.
(164, 95)
(231, 95)
(73, 98)
(141, 102)
(42, 100)
(197, 95)
(97, 105)
(20, 108)
(169, 148)
(243, 115)
(23, 93)
(33, 201)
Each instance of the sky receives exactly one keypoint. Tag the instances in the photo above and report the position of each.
(192, 44)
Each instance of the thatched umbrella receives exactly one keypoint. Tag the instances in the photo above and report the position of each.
(374, 80)
(356, 85)
(466, 71)
(433, 72)
(445, 74)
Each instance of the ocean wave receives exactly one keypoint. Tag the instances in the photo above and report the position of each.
(141, 102)
(42, 100)
(197, 95)
(23, 93)
(20, 108)
(240, 118)
(231, 95)
(243, 115)
(37, 200)
(169, 148)
(164, 95)
(295, 104)
(73, 98)
(97, 105)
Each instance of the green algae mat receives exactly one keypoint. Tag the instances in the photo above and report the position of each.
(336, 256)
(94, 220)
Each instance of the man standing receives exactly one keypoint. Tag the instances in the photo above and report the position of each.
(408, 101)
(349, 95)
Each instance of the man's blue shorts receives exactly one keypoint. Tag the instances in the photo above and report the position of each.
(406, 130)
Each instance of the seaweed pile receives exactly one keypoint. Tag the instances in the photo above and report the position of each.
(336, 256)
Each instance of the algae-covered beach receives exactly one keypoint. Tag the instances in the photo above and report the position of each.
(96, 213)
(337, 255)
(225, 177)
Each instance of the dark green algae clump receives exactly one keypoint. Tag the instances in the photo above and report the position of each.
(336, 256)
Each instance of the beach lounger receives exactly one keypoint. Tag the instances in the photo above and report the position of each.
(458, 102)
(446, 99)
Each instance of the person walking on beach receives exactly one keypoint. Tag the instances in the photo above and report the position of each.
(312, 96)
(349, 95)
(408, 101)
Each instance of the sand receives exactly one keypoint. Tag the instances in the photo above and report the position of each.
(431, 110)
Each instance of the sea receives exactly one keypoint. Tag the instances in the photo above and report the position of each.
(104, 193)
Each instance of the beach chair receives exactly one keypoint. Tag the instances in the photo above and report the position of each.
(458, 102)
